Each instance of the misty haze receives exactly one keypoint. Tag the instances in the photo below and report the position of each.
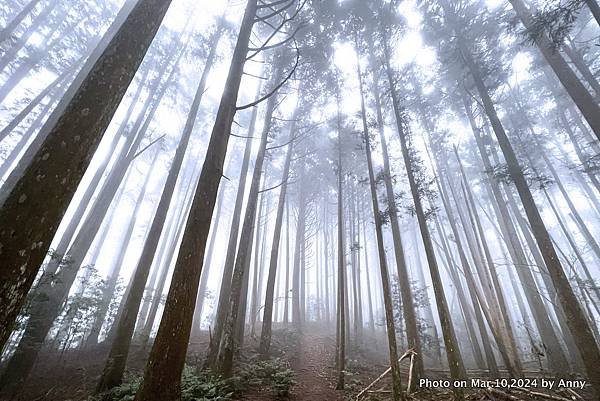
(304, 200)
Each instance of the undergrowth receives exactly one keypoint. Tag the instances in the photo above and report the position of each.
(273, 375)
(195, 386)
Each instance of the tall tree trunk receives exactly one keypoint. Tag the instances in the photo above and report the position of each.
(221, 307)
(267, 322)
(341, 260)
(57, 168)
(162, 376)
(224, 361)
(287, 265)
(387, 295)
(257, 262)
(368, 277)
(462, 299)
(201, 299)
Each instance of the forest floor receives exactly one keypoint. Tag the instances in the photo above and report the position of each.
(310, 355)
(312, 365)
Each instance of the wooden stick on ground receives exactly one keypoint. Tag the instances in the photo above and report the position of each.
(408, 353)
(496, 394)
(543, 395)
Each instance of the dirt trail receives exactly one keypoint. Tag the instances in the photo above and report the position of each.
(313, 366)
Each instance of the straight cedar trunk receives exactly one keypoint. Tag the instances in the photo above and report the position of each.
(115, 365)
(221, 309)
(408, 306)
(162, 260)
(9, 29)
(582, 98)
(341, 260)
(178, 226)
(111, 283)
(287, 265)
(594, 9)
(359, 289)
(224, 361)
(576, 320)
(208, 263)
(427, 309)
(150, 288)
(356, 271)
(296, 274)
(556, 356)
(239, 327)
(258, 256)
(387, 295)
(302, 280)
(162, 376)
(455, 363)
(33, 207)
(267, 322)
(326, 266)
(368, 277)
(354, 267)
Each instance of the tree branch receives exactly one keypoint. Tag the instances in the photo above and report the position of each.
(268, 95)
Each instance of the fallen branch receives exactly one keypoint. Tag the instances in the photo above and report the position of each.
(543, 395)
(496, 394)
(408, 353)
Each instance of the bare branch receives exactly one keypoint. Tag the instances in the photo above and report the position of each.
(282, 145)
(268, 95)
(147, 146)
(275, 31)
(242, 136)
(254, 76)
(286, 40)
(272, 188)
